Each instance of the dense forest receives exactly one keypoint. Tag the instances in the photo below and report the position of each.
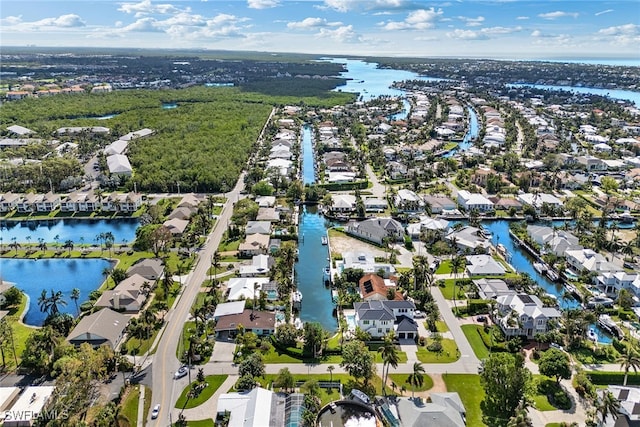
(201, 145)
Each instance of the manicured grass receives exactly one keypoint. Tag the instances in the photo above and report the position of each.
(148, 397)
(444, 267)
(129, 413)
(402, 357)
(471, 393)
(20, 331)
(275, 355)
(214, 382)
(441, 326)
(401, 380)
(545, 386)
(447, 289)
(471, 332)
(449, 353)
(201, 423)
(553, 425)
(229, 245)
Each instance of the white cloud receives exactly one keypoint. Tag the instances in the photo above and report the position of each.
(603, 12)
(522, 18)
(341, 34)
(628, 29)
(312, 23)
(11, 20)
(421, 19)
(466, 35)
(348, 5)
(472, 22)
(500, 30)
(558, 14)
(627, 34)
(262, 4)
(145, 7)
(63, 21)
(143, 25)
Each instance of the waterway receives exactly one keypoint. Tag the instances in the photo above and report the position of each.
(64, 275)
(317, 305)
(626, 95)
(470, 136)
(79, 231)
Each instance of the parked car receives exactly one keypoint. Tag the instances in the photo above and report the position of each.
(183, 371)
(418, 314)
(481, 318)
(155, 412)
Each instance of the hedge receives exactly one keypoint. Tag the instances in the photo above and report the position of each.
(345, 186)
(606, 378)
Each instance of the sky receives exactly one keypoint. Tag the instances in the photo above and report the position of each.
(505, 29)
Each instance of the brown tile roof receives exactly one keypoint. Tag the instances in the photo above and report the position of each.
(260, 320)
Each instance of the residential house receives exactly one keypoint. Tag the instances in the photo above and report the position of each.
(9, 201)
(366, 262)
(373, 287)
(378, 318)
(524, 315)
(469, 238)
(260, 407)
(258, 227)
(441, 410)
(470, 201)
(582, 259)
(377, 230)
(612, 282)
(254, 244)
(118, 164)
(266, 201)
(427, 224)
(268, 214)
(343, 203)
(537, 200)
(241, 288)
(551, 240)
(104, 327)
(190, 200)
(128, 296)
(48, 202)
(261, 323)
(492, 288)
(408, 201)
(628, 412)
(505, 203)
(30, 408)
(176, 226)
(149, 268)
(228, 308)
(373, 204)
(397, 170)
(26, 203)
(439, 204)
(123, 202)
(483, 265)
(260, 265)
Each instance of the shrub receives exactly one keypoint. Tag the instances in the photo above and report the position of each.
(435, 346)
(422, 341)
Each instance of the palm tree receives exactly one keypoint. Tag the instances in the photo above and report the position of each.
(54, 300)
(416, 379)
(331, 368)
(630, 359)
(69, 245)
(215, 263)
(75, 296)
(608, 405)
(43, 301)
(390, 357)
(457, 265)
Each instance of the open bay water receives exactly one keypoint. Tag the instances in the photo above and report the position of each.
(32, 276)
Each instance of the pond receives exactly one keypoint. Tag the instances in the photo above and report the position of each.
(77, 230)
(64, 275)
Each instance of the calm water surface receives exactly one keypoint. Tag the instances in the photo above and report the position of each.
(77, 230)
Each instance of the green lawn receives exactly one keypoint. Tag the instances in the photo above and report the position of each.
(447, 289)
(449, 353)
(20, 331)
(128, 415)
(545, 386)
(326, 396)
(401, 380)
(444, 267)
(471, 393)
(214, 382)
(402, 357)
(229, 245)
(441, 326)
(471, 332)
(201, 423)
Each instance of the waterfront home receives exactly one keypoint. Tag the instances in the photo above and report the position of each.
(9, 201)
(537, 200)
(176, 226)
(48, 202)
(373, 287)
(268, 214)
(483, 265)
(26, 203)
(104, 327)
(149, 268)
(470, 201)
(266, 201)
(469, 238)
(438, 225)
(282, 165)
(587, 260)
(552, 240)
(441, 410)
(190, 200)
(261, 323)
(378, 318)
(408, 201)
(439, 203)
(258, 227)
(505, 203)
(254, 244)
(241, 288)
(373, 204)
(118, 164)
(260, 265)
(122, 202)
(282, 153)
(183, 212)
(228, 308)
(343, 203)
(492, 288)
(377, 230)
(523, 315)
(366, 262)
(612, 282)
(128, 296)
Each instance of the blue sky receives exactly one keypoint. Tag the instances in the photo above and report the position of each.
(496, 29)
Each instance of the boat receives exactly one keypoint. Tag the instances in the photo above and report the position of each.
(298, 323)
(592, 336)
(360, 396)
(486, 233)
(610, 325)
(325, 240)
(626, 217)
(600, 300)
(540, 267)
(502, 249)
(297, 296)
(552, 275)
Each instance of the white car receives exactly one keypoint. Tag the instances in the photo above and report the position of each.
(183, 371)
(418, 314)
(155, 412)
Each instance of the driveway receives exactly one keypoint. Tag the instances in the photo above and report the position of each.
(223, 351)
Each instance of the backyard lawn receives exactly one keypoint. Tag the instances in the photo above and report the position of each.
(401, 380)
(213, 383)
(471, 332)
(471, 393)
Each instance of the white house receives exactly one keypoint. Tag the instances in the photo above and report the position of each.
(245, 287)
(408, 201)
(484, 265)
(378, 318)
(588, 260)
(524, 315)
(470, 201)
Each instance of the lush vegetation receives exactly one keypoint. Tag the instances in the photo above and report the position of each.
(471, 394)
(189, 399)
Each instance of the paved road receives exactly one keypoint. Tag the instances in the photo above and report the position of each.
(165, 362)
(378, 189)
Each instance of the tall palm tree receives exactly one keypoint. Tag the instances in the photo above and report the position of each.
(416, 379)
(630, 359)
(215, 263)
(55, 300)
(75, 296)
(457, 266)
(331, 368)
(69, 245)
(390, 357)
(608, 405)
(43, 301)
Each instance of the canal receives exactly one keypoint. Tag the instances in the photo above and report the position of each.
(317, 305)
(79, 231)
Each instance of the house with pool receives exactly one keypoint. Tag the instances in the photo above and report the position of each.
(378, 318)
